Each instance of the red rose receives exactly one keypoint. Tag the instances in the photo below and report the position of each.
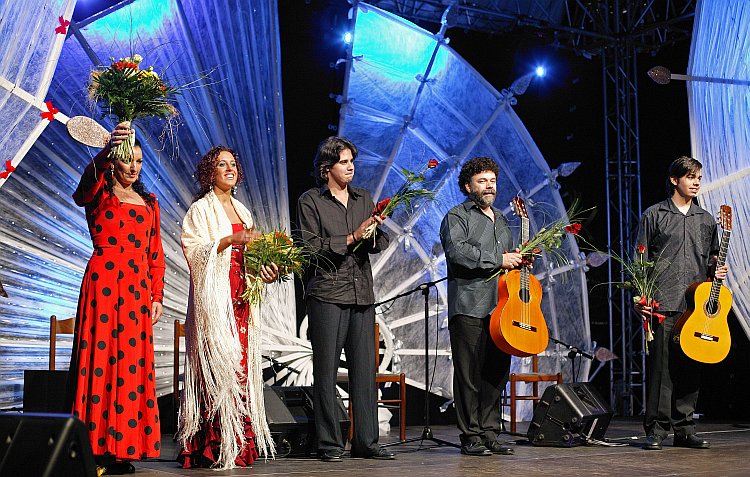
(432, 163)
(641, 249)
(573, 228)
(381, 206)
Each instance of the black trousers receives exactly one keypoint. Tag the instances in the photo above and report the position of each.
(480, 373)
(333, 327)
(672, 383)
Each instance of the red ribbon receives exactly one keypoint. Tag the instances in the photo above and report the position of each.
(63, 28)
(654, 306)
(8, 169)
(51, 111)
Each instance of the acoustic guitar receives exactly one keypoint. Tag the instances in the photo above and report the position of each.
(703, 329)
(517, 325)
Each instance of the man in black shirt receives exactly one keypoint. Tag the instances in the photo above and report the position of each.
(682, 239)
(339, 296)
(476, 239)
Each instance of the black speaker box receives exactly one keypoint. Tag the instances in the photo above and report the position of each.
(290, 415)
(568, 415)
(44, 391)
(44, 445)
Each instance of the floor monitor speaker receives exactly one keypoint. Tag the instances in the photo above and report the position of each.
(568, 415)
(291, 418)
(44, 445)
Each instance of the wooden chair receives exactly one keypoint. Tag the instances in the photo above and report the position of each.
(534, 377)
(179, 331)
(58, 327)
(399, 403)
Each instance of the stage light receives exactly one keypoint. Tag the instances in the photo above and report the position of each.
(540, 71)
(348, 37)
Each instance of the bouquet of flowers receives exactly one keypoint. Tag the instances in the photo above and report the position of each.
(274, 247)
(549, 238)
(406, 195)
(641, 276)
(127, 92)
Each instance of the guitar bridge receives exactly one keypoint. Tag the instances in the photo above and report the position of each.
(524, 326)
(706, 337)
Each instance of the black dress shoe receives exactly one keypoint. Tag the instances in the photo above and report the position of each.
(119, 468)
(381, 454)
(332, 455)
(475, 448)
(653, 442)
(692, 441)
(499, 449)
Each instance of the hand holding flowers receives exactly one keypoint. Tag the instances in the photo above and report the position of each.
(125, 91)
(271, 257)
(405, 195)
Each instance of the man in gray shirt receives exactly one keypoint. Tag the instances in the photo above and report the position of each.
(476, 240)
(682, 239)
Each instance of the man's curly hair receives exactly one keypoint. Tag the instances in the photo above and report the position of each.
(205, 171)
(475, 166)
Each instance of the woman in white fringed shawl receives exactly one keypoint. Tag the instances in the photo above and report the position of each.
(222, 417)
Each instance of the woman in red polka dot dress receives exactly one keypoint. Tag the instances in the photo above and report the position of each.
(112, 366)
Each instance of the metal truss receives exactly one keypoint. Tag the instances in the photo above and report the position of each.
(617, 31)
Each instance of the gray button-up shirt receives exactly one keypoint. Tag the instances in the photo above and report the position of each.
(684, 245)
(341, 275)
(474, 247)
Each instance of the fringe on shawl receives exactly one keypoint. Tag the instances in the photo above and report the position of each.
(213, 371)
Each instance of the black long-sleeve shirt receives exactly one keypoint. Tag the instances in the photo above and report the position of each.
(341, 275)
(683, 246)
(474, 247)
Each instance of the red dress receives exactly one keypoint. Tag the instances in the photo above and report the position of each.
(112, 380)
(203, 449)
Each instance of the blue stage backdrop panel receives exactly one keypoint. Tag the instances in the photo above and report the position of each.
(720, 128)
(408, 99)
(45, 244)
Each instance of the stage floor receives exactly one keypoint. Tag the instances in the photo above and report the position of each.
(729, 455)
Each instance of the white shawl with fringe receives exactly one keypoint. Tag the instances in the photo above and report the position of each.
(213, 350)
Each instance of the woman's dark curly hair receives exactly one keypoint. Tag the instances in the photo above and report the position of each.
(205, 171)
(473, 167)
(138, 187)
(328, 155)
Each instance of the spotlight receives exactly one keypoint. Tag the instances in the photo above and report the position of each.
(540, 71)
(348, 37)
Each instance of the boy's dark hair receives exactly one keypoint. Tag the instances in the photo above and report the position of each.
(681, 167)
(475, 166)
(328, 155)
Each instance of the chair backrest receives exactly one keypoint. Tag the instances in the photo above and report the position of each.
(179, 330)
(58, 327)
(534, 363)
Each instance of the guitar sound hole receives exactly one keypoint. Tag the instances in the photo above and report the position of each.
(711, 311)
(524, 295)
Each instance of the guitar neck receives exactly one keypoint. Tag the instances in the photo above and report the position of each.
(723, 247)
(524, 239)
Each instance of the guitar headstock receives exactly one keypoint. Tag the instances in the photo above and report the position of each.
(725, 217)
(520, 207)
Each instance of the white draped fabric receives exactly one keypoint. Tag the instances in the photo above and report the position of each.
(720, 128)
(45, 243)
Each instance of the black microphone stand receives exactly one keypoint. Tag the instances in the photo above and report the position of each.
(427, 434)
(572, 353)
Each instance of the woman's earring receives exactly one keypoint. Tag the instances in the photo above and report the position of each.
(234, 190)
